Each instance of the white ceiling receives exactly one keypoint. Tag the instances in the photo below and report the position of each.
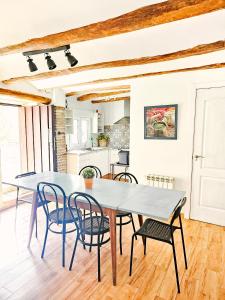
(25, 19)
(29, 19)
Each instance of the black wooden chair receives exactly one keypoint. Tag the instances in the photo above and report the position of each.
(25, 199)
(121, 215)
(162, 232)
(60, 215)
(98, 173)
(91, 230)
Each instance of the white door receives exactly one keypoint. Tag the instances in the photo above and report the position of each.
(208, 181)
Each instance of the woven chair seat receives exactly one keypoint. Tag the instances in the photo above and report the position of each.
(86, 225)
(156, 230)
(68, 217)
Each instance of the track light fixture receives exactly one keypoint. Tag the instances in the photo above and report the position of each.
(31, 64)
(50, 62)
(71, 59)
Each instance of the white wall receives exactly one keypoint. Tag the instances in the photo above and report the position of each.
(167, 157)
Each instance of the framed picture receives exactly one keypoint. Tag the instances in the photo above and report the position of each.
(160, 122)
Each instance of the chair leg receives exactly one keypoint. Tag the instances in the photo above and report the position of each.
(91, 241)
(45, 240)
(175, 263)
(144, 240)
(132, 221)
(83, 239)
(17, 197)
(121, 249)
(183, 243)
(36, 228)
(74, 251)
(131, 254)
(99, 267)
(63, 244)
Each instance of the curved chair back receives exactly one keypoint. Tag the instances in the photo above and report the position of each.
(91, 204)
(177, 211)
(128, 177)
(98, 173)
(49, 192)
(25, 174)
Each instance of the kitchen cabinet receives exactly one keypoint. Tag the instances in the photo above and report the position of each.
(68, 121)
(76, 160)
(98, 122)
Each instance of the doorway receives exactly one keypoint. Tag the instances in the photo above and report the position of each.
(10, 148)
(208, 180)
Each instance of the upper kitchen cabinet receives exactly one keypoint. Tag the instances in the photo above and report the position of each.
(98, 122)
(115, 111)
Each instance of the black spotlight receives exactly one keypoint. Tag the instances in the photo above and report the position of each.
(31, 64)
(51, 64)
(71, 59)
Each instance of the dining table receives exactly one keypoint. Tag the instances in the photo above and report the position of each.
(113, 196)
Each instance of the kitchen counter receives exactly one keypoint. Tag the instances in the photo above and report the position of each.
(93, 150)
(101, 157)
(86, 151)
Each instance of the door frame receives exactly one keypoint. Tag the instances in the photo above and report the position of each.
(198, 88)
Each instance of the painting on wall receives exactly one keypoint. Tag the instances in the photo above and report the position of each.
(160, 122)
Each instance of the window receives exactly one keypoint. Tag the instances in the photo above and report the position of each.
(75, 131)
(84, 131)
(81, 133)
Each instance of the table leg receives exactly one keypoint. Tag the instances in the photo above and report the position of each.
(112, 223)
(112, 171)
(140, 219)
(33, 217)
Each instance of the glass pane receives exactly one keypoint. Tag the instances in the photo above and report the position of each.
(84, 131)
(75, 133)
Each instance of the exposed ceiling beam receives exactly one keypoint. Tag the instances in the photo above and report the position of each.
(197, 50)
(107, 88)
(24, 96)
(205, 67)
(110, 100)
(93, 96)
(147, 16)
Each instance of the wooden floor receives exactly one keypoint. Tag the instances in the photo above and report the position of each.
(24, 275)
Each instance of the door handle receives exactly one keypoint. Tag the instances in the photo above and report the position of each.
(198, 156)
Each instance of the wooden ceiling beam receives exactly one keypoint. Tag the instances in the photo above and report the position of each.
(197, 50)
(205, 67)
(24, 96)
(110, 100)
(147, 16)
(107, 88)
(92, 96)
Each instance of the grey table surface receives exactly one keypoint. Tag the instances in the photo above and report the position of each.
(140, 199)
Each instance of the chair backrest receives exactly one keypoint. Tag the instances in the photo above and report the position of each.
(177, 211)
(49, 192)
(128, 177)
(88, 203)
(98, 173)
(25, 174)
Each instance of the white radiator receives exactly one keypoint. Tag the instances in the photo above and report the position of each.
(161, 181)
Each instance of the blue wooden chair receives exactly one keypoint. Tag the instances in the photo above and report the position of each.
(59, 215)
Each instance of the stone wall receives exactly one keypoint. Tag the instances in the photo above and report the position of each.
(60, 161)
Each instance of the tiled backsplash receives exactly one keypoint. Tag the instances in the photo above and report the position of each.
(119, 135)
